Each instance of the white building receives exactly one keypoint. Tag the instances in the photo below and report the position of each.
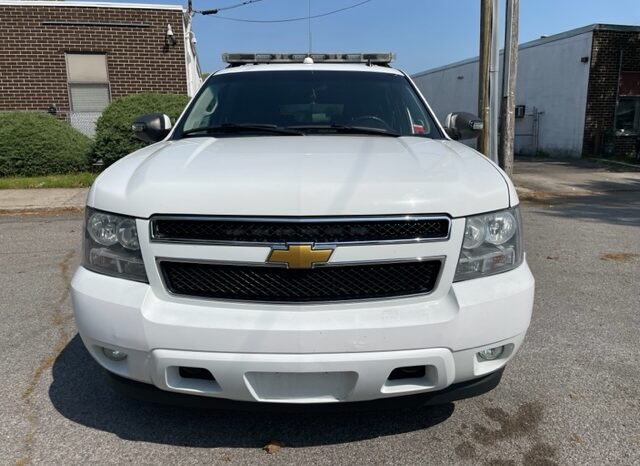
(578, 92)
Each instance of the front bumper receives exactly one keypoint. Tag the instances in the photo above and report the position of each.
(457, 391)
(303, 353)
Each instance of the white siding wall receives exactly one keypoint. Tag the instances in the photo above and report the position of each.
(552, 84)
(194, 78)
(453, 89)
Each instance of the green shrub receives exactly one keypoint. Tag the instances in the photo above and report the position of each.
(114, 138)
(34, 144)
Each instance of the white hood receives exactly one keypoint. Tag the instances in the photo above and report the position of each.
(302, 176)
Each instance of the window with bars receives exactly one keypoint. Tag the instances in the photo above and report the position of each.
(628, 109)
(89, 93)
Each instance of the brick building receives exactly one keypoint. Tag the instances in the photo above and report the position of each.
(577, 92)
(73, 58)
(614, 91)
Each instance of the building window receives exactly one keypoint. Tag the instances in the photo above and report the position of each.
(89, 94)
(628, 115)
(628, 109)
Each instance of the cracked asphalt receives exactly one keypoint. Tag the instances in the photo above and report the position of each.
(571, 396)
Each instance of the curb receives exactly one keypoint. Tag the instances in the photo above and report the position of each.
(43, 211)
(622, 164)
(531, 195)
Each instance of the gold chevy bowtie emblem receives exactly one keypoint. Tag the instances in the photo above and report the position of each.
(299, 256)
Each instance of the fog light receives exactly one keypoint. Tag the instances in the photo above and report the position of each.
(114, 355)
(491, 353)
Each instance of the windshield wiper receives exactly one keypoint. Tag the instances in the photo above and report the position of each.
(347, 129)
(228, 128)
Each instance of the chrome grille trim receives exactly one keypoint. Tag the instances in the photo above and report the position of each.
(300, 220)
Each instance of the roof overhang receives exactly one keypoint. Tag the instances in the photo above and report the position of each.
(140, 6)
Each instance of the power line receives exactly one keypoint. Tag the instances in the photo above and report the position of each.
(230, 7)
(286, 20)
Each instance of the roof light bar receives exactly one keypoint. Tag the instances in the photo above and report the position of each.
(253, 58)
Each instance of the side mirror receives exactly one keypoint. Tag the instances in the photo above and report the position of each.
(462, 125)
(151, 127)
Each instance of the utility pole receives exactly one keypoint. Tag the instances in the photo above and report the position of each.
(509, 74)
(483, 74)
(494, 84)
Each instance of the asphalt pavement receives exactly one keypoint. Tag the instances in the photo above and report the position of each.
(571, 395)
(549, 178)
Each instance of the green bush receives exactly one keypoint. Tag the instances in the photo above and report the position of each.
(114, 138)
(35, 144)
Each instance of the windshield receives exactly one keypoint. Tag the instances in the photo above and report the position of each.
(307, 102)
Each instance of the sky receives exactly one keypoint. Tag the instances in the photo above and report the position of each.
(423, 33)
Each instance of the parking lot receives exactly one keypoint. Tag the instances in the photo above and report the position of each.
(571, 396)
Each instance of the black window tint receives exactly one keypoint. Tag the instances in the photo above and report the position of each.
(311, 98)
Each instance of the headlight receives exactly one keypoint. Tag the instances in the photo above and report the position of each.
(492, 244)
(111, 246)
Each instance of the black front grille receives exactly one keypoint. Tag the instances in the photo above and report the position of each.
(284, 230)
(277, 284)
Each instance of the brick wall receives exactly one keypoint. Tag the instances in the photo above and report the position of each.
(603, 87)
(32, 54)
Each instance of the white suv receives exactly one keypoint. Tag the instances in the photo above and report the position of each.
(307, 232)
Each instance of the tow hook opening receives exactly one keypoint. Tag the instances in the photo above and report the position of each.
(409, 372)
(195, 373)
(411, 378)
(191, 380)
